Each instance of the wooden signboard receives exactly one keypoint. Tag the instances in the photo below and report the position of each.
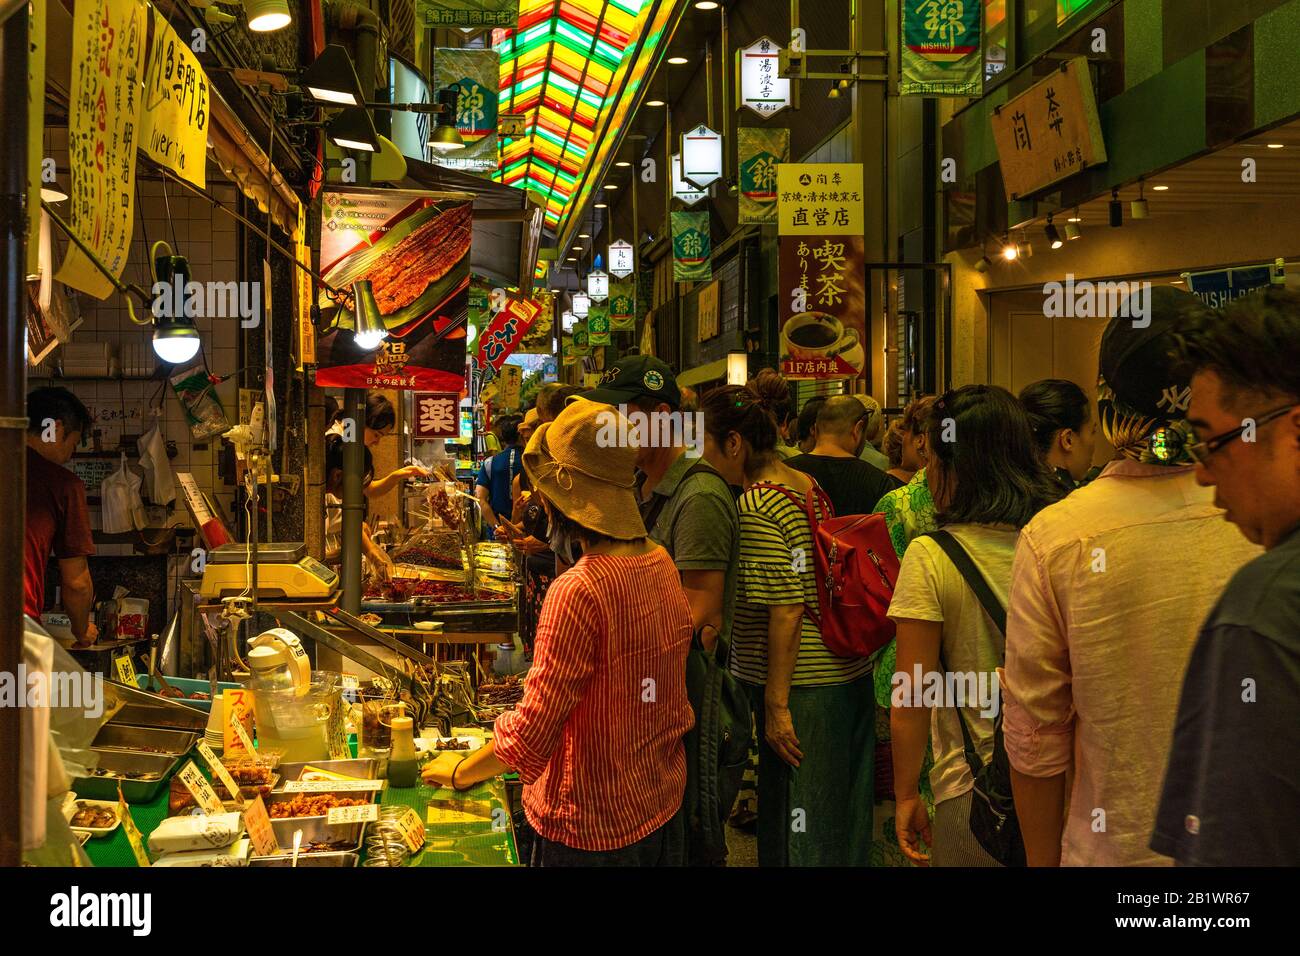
(1049, 132)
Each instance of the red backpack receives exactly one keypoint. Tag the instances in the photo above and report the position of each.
(856, 568)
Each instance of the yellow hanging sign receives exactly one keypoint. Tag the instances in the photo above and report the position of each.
(176, 106)
(819, 199)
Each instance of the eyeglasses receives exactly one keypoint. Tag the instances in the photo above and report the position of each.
(1200, 451)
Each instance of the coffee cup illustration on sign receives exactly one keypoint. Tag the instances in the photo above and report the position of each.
(820, 337)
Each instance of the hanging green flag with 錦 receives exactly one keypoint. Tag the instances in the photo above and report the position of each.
(692, 247)
(759, 150)
(622, 306)
(942, 54)
(598, 324)
(475, 75)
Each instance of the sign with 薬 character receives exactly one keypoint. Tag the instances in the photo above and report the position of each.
(819, 199)
(108, 40)
(762, 88)
(1049, 132)
(468, 13)
(174, 121)
(436, 415)
(823, 303)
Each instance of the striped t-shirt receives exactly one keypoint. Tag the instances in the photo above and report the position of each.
(777, 567)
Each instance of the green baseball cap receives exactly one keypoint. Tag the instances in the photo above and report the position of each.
(633, 377)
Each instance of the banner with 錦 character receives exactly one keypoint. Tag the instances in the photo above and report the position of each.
(506, 330)
(823, 307)
(598, 323)
(413, 249)
(692, 247)
(942, 53)
(108, 41)
(475, 75)
(622, 306)
(760, 150)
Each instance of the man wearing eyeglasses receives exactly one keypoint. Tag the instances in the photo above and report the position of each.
(1233, 782)
(1109, 587)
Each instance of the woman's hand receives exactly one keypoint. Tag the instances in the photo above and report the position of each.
(779, 731)
(411, 471)
(912, 823)
(439, 771)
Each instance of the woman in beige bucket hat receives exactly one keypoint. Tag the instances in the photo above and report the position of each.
(597, 738)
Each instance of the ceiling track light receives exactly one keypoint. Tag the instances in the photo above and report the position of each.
(1116, 209)
(1138, 207)
(1009, 251)
(1054, 240)
(267, 16)
(1072, 231)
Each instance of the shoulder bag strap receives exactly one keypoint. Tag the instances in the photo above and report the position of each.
(988, 600)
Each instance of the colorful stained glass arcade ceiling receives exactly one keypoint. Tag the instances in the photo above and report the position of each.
(564, 67)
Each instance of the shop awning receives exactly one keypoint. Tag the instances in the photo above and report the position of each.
(703, 373)
(507, 221)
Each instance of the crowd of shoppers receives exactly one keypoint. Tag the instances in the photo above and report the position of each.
(1123, 646)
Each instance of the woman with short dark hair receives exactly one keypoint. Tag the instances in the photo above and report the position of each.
(987, 481)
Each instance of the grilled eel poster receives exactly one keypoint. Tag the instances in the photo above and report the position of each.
(413, 247)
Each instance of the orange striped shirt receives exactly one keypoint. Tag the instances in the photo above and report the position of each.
(597, 738)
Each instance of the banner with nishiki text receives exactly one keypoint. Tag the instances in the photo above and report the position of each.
(692, 247)
(622, 306)
(942, 53)
(475, 75)
(760, 150)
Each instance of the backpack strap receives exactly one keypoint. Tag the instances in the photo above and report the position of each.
(976, 581)
(701, 467)
(807, 506)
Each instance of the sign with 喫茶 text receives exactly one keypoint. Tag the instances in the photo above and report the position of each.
(819, 199)
(1050, 131)
(822, 306)
(108, 40)
(436, 416)
(174, 120)
(762, 88)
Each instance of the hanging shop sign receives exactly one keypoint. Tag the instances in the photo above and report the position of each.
(174, 120)
(305, 338)
(581, 340)
(108, 41)
(707, 309)
(540, 338)
(598, 324)
(568, 322)
(1050, 131)
(512, 124)
(701, 156)
(413, 247)
(692, 247)
(475, 74)
(598, 285)
(622, 307)
(512, 378)
(581, 304)
(622, 261)
(762, 88)
(760, 150)
(468, 13)
(941, 49)
(411, 130)
(1220, 286)
(686, 192)
(507, 329)
(819, 199)
(822, 305)
(436, 415)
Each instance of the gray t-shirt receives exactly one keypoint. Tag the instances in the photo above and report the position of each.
(698, 525)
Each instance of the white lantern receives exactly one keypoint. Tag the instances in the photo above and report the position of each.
(581, 305)
(686, 192)
(598, 286)
(701, 156)
(762, 88)
(622, 263)
(567, 321)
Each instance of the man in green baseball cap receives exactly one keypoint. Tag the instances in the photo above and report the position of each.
(637, 377)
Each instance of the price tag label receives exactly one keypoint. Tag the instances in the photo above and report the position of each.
(124, 668)
(324, 786)
(351, 682)
(258, 824)
(237, 710)
(366, 813)
(132, 831)
(199, 788)
(412, 829)
(219, 770)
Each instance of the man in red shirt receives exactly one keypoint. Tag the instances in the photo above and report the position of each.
(58, 521)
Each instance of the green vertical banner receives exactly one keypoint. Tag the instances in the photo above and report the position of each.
(581, 340)
(475, 74)
(567, 355)
(759, 150)
(942, 54)
(692, 247)
(598, 323)
(622, 306)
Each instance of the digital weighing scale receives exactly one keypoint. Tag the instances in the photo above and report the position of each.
(284, 570)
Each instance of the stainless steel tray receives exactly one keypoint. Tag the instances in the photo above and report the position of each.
(329, 858)
(315, 829)
(130, 705)
(115, 736)
(362, 769)
(118, 763)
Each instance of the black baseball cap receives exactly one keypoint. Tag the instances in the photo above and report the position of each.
(633, 377)
(1137, 360)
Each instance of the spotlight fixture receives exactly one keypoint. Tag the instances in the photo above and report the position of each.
(332, 78)
(1116, 210)
(175, 336)
(1024, 248)
(1072, 230)
(446, 138)
(1054, 239)
(353, 129)
(1138, 207)
(1009, 250)
(53, 192)
(833, 93)
(266, 16)
(983, 263)
(369, 330)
